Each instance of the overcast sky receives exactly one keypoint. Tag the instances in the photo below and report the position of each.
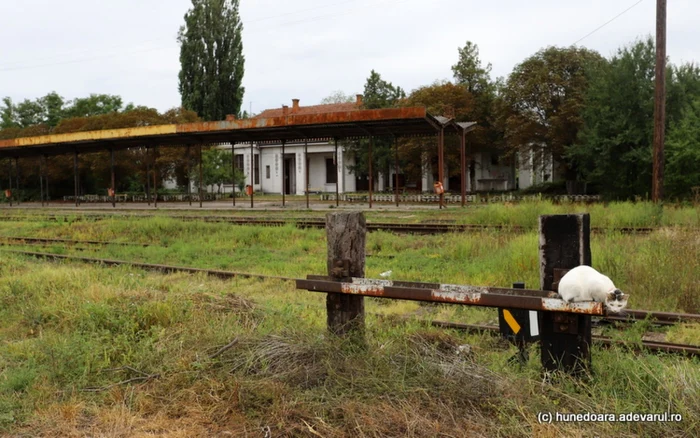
(307, 49)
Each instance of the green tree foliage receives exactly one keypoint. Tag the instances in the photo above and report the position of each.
(211, 59)
(469, 72)
(614, 148)
(543, 99)
(52, 108)
(217, 169)
(683, 153)
(439, 98)
(378, 93)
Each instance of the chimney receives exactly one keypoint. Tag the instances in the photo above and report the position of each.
(285, 110)
(358, 102)
(295, 105)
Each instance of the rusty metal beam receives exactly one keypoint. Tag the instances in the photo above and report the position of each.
(452, 294)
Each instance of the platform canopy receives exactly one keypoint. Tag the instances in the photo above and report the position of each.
(399, 122)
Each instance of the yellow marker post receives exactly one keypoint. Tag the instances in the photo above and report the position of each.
(512, 323)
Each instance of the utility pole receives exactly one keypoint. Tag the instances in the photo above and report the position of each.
(657, 183)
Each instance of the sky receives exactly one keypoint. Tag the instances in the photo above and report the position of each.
(307, 49)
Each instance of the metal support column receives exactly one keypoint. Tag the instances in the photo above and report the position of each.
(41, 181)
(441, 163)
(148, 177)
(9, 171)
(396, 170)
(75, 176)
(252, 175)
(46, 178)
(284, 173)
(189, 176)
(463, 166)
(201, 176)
(306, 171)
(233, 174)
(338, 178)
(155, 178)
(371, 179)
(114, 188)
(19, 194)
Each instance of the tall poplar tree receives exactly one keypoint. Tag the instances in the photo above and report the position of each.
(211, 59)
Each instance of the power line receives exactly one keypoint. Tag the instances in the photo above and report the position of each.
(606, 23)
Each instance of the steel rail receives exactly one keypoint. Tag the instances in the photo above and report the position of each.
(630, 315)
(666, 347)
(304, 223)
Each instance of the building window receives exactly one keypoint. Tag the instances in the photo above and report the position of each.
(239, 163)
(267, 172)
(494, 159)
(256, 173)
(331, 174)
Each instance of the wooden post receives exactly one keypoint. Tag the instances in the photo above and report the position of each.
(346, 234)
(565, 337)
(659, 104)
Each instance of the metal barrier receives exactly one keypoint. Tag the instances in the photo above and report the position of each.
(564, 329)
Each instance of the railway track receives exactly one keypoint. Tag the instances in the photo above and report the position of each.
(657, 346)
(305, 223)
(665, 318)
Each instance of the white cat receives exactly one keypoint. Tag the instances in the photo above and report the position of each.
(584, 283)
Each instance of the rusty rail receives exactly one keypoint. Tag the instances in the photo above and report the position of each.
(453, 294)
(666, 347)
(311, 223)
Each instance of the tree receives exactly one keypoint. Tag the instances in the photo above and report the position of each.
(683, 153)
(94, 105)
(469, 72)
(438, 98)
(543, 99)
(614, 147)
(211, 59)
(8, 114)
(378, 93)
(337, 96)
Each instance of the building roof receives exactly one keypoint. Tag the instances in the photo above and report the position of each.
(411, 121)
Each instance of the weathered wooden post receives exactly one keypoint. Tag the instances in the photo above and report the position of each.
(565, 338)
(346, 233)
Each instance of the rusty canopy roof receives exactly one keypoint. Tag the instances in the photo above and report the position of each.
(400, 122)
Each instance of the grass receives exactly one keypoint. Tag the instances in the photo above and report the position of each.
(68, 329)
(70, 333)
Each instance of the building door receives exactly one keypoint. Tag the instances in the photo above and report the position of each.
(289, 176)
